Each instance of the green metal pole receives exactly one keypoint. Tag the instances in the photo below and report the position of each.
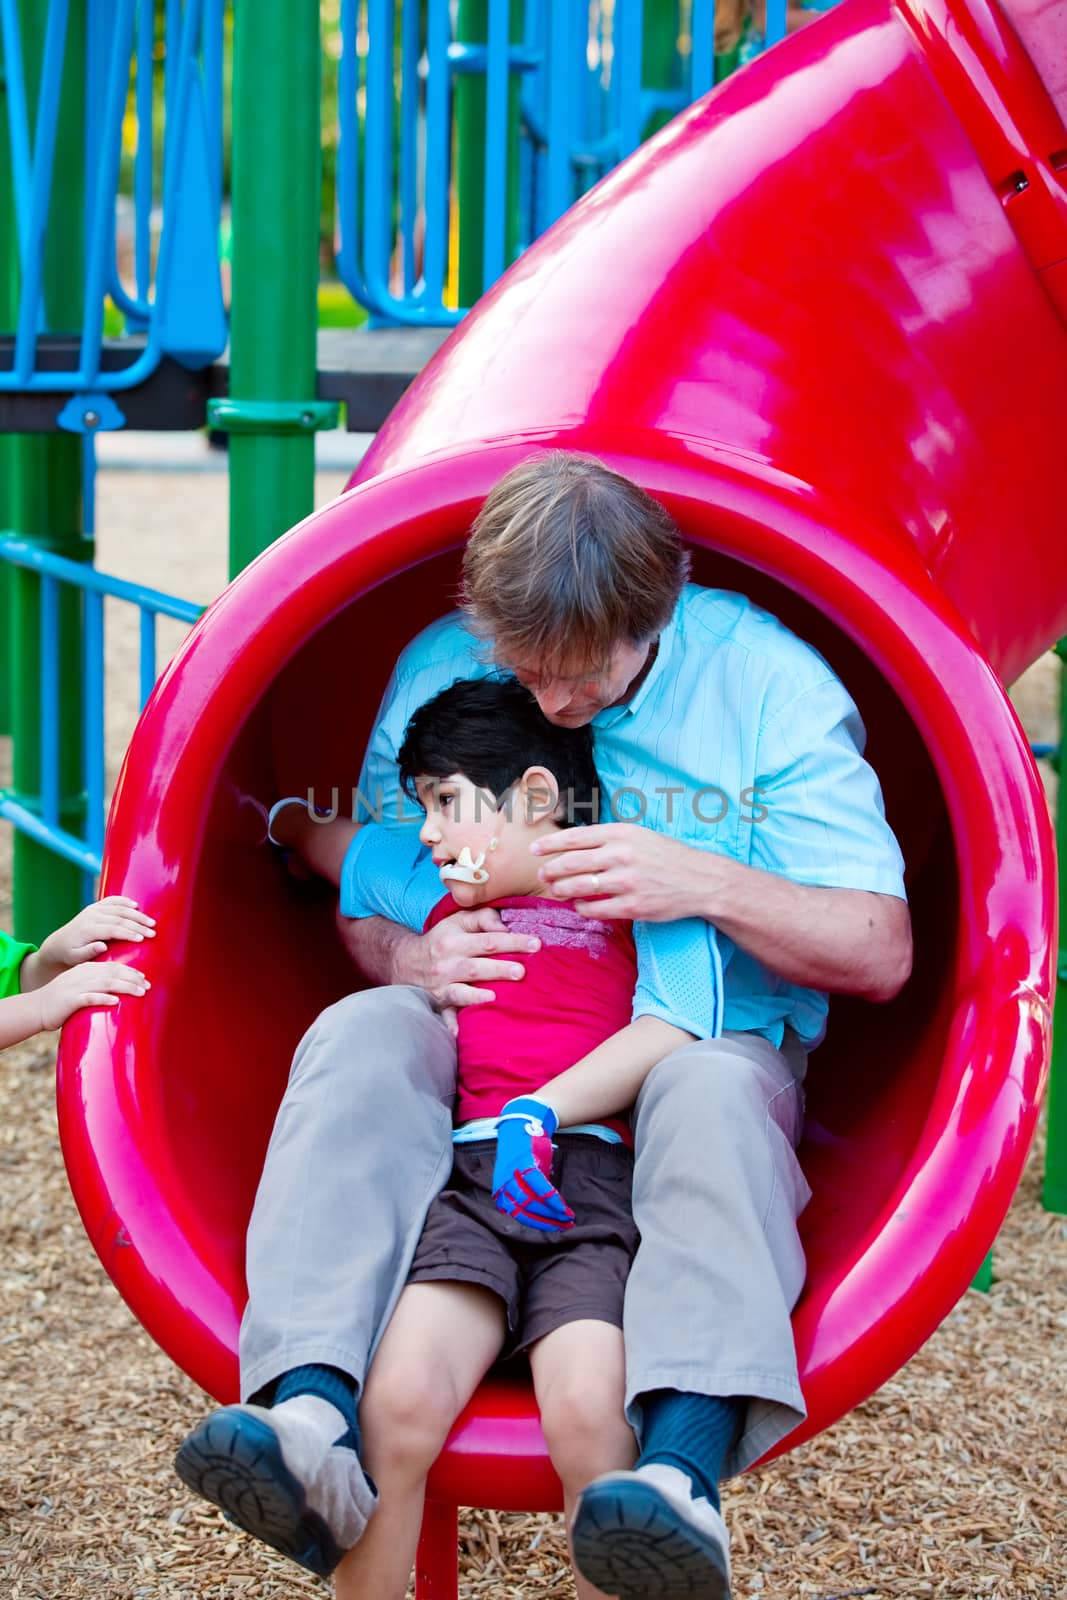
(44, 503)
(1054, 1190)
(470, 93)
(659, 54)
(272, 414)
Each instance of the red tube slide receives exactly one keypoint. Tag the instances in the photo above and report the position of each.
(822, 315)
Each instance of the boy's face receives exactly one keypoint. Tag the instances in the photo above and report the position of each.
(461, 816)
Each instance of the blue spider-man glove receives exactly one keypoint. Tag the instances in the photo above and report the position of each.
(522, 1187)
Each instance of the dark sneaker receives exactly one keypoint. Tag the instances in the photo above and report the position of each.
(284, 1476)
(645, 1535)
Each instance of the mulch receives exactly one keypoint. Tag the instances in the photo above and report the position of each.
(950, 1482)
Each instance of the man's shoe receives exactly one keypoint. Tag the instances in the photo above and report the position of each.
(284, 1476)
(644, 1535)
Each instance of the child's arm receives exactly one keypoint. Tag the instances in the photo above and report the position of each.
(321, 843)
(607, 1080)
(83, 937)
(602, 1082)
(90, 983)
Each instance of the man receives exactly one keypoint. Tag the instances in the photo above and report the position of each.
(740, 753)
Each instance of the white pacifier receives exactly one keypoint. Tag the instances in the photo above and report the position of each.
(466, 868)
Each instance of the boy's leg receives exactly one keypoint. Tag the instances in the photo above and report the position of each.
(442, 1339)
(579, 1379)
(361, 1144)
(717, 1193)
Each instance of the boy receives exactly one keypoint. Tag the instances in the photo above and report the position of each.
(40, 989)
(493, 776)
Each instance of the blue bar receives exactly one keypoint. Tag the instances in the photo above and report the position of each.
(213, 89)
(561, 102)
(49, 707)
(409, 154)
(348, 148)
(438, 166)
(44, 149)
(19, 122)
(102, 231)
(702, 59)
(627, 63)
(142, 169)
(378, 154)
(57, 840)
(496, 144)
(93, 722)
(775, 21)
(148, 653)
(172, 33)
(22, 554)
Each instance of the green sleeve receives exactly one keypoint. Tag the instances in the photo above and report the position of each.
(12, 955)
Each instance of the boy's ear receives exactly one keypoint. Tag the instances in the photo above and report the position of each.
(540, 794)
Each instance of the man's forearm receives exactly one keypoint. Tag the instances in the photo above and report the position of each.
(847, 941)
(377, 946)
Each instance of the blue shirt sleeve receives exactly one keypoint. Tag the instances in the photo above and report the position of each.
(680, 975)
(387, 873)
(818, 817)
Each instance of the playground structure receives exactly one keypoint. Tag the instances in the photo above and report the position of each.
(892, 569)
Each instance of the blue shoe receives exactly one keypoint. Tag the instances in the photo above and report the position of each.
(644, 1535)
(284, 1476)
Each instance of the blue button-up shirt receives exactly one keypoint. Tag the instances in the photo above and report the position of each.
(740, 739)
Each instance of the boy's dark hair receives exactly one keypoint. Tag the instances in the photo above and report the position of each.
(491, 730)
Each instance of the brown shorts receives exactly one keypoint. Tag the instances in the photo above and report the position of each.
(544, 1279)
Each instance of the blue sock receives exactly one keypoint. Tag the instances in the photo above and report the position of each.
(692, 1432)
(330, 1384)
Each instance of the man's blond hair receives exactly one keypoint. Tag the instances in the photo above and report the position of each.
(567, 560)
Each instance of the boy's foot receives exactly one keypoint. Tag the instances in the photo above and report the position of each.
(283, 1475)
(643, 1535)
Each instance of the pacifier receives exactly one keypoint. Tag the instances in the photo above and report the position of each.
(466, 868)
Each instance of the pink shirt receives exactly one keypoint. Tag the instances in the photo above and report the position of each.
(578, 991)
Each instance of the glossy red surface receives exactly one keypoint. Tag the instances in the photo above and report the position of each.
(810, 317)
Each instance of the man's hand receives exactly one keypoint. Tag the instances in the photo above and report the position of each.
(619, 869)
(85, 936)
(847, 941)
(522, 1183)
(459, 953)
(90, 983)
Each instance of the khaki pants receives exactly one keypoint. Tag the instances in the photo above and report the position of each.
(362, 1144)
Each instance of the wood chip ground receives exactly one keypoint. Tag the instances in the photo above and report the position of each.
(950, 1483)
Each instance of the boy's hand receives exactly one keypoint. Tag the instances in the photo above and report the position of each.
(89, 933)
(522, 1187)
(90, 983)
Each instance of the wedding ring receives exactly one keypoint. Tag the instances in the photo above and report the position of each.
(596, 882)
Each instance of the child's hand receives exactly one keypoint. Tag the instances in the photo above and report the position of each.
(90, 983)
(89, 933)
(522, 1188)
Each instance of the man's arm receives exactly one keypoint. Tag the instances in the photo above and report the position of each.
(848, 941)
(322, 845)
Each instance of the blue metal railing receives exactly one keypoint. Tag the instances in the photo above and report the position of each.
(177, 307)
(39, 816)
(583, 107)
